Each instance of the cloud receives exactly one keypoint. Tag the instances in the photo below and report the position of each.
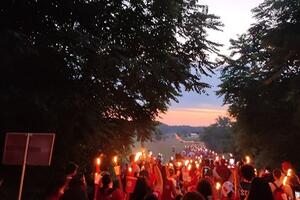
(192, 116)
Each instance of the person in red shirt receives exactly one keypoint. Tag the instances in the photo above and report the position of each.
(169, 190)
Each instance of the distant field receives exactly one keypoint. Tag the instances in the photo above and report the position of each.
(164, 147)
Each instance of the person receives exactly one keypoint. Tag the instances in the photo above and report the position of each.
(151, 196)
(260, 190)
(169, 191)
(247, 174)
(293, 179)
(76, 190)
(227, 191)
(223, 171)
(193, 196)
(134, 166)
(108, 193)
(280, 191)
(70, 172)
(141, 189)
(55, 191)
(205, 188)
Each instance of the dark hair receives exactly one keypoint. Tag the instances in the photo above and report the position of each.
(106, 180)
(277, 173)
(151, 196)
(193, 196)
(164, 173)
(260, 189)
(144, 173)
(141, 189)
(76, 182)
(205, 188)
(248, 172)
(71, 168)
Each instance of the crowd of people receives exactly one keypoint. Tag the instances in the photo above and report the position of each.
(195, 173)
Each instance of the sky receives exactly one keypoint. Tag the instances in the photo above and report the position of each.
(202, 110)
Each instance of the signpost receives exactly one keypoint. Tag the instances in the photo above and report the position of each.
(28, 149)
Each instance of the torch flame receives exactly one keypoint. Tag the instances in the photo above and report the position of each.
(248, 160)
(186, 162)
(98, 161)
(137, 156)
(179, 164)
(115, 159)
(289, 172)
(218, 186)
(285, 180)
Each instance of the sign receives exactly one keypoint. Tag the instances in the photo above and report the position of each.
(28, 149)
(39, 153)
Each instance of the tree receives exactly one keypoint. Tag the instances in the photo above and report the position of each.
(97, 73)
(260, 82)
(218, 136)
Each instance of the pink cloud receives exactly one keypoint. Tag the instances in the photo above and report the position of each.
(192, 116)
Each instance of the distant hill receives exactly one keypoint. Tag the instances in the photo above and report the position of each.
(167, 129)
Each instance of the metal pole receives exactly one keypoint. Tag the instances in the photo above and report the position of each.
(24, 166)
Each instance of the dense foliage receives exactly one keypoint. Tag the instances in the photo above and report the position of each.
(97, 73)
(219, 136)
(260, 82)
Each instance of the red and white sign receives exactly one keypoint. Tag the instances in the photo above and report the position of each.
(39, 153)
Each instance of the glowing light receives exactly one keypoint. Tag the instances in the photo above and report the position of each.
(189, 167)
(289, 172)
(217, 158)
(150, 153)
(186, 162)
(231, 161)
(98, 161)
(248, 159)
(170, 164)
(137, 156)
(172, 158)
(197, 165)
(179, 164)
(285, 180)
(129, 169)
(115, 159)
(218, 186)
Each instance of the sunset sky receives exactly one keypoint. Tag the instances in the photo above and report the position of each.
(201, 110)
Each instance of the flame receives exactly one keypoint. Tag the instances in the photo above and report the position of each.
(289, 172)
(285, 180)
(115, 159)
(197, 165)
(189, 167)
(248, 159)
(130, 169)
(137, 156)
(98, 161)
(179, 164)
(186, 162)
(218, 186)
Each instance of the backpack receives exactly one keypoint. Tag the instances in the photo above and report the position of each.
(278, 192)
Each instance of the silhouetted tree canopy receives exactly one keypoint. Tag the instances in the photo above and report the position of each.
(260, 82)
(219, 136)
(97, 73)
